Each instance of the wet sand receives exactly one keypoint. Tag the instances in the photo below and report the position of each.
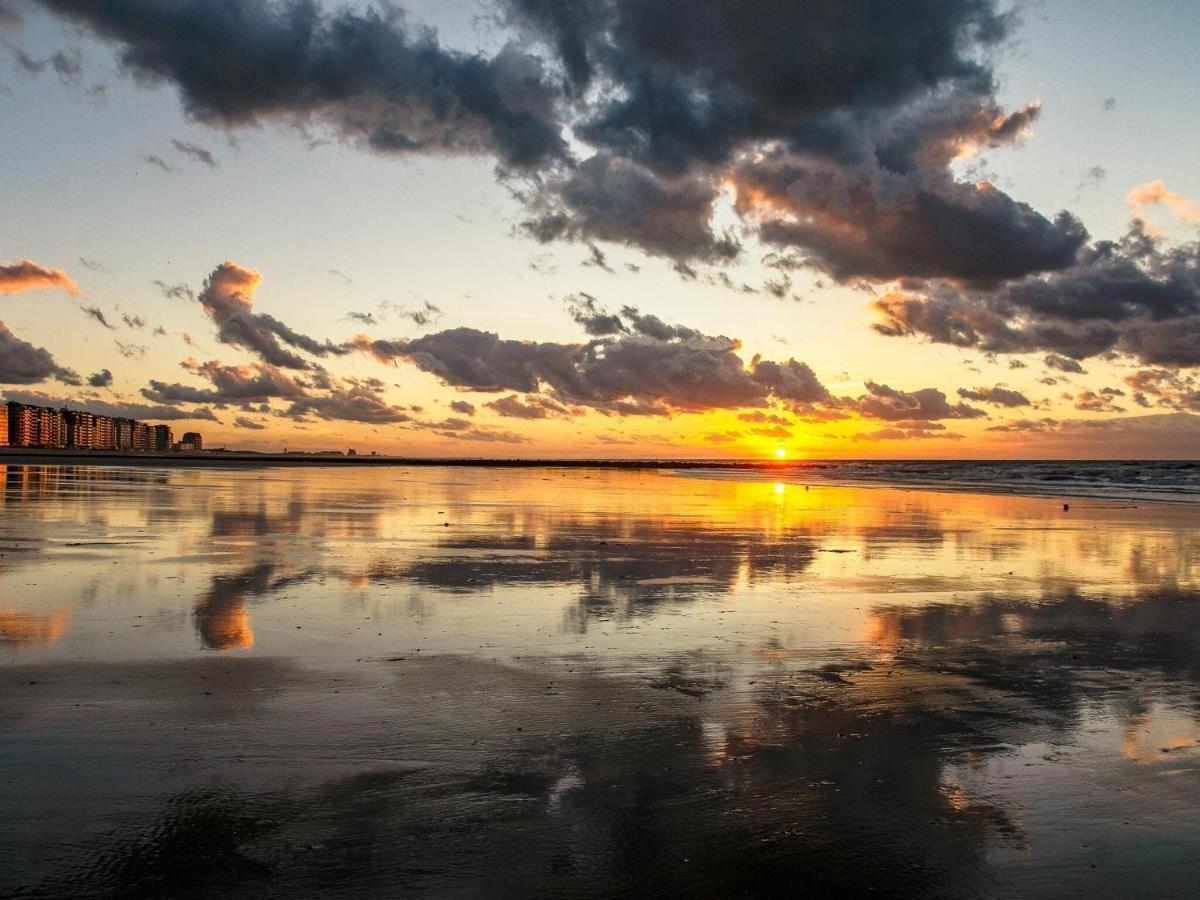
(480, 682)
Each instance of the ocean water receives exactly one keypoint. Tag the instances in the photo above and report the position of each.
(541, 682)
(1171, 480)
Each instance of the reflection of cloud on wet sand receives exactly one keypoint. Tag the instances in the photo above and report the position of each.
(24, 629)
(220, 615)
(18, 629)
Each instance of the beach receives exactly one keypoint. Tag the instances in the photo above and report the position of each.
(470, 681)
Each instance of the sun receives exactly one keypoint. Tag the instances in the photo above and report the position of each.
(780, 453)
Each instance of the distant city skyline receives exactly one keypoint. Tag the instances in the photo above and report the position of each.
(607, 229)
(25, 425)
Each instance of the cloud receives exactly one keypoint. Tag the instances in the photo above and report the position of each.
(92, 265)
(67, 62)
(131, 351)
(925, 405)
(834, 124)
(196, 152)
(8, 16)
(996, 396)
(639, 366)
(355, 403)
(1165, 388)
(532, 408)
(1155, 193)
(251, 424)
(143, 411)
(230, 384)
(427, 314)
(1063, 364)
(101, 379)
(228, 299)
(1103, 400)
(1138, 296)
(97, 314)
(364, 318)
(174, 291)
(23, 363)
(365, 76)
(158, 162)
(881, 225)
(614, 199)
(135, 322)
(928, 432)
(1092, 178)
(26, 275)
(597, 259)
(463, 407)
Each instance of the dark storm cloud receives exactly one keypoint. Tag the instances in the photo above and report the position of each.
(614, 199)
(368, 76)
(8, 15)
(816, 115)
(883, 226)
(1137, 296)
(101, 379)
(698, 80)
(228, 298)
(23, 363)
(196, 152)
(996, 396)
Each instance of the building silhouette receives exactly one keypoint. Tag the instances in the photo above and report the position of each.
(26, 425)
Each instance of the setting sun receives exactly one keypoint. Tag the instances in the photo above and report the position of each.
(780, 453)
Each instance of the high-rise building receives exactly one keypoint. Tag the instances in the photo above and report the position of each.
(22, 425)
(87, 430)
(52, 428)
(105, 436)
(163, 438)
(123, 434)
(191, 440)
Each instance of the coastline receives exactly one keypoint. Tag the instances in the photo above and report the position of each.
(1058, 478)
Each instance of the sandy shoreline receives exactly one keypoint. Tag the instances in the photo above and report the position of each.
(360, 682)
(814, 473)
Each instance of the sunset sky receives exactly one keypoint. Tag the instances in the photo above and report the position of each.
(608, 228)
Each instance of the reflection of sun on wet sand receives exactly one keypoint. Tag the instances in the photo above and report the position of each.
(19, 629)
